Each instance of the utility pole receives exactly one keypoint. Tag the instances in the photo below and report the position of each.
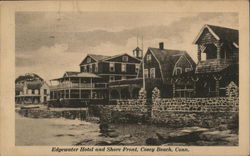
(143, 76)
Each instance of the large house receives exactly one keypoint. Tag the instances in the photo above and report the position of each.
(218, 64)
(31, 89)
(160, 65)
(90, 85)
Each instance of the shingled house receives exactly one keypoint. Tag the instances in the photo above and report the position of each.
(160, 65)
(218, 64)
(31, 89)
(90, 85)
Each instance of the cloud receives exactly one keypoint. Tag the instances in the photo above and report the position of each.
(50, 47)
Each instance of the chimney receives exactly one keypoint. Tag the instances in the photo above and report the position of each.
(161, 45)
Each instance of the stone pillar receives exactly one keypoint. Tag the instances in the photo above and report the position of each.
(142, 93)
(217, 88)
(217, 84)
(174, 89)
(199, 53)
(195, 80)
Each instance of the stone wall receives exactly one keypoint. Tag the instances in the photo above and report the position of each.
(216, 104)
(125, 111)
(176, 112)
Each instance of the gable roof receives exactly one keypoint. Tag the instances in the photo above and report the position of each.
(167, 59)
(118, 55)
(95, 57)
(221, 33)
(98, 57)
(70, 73)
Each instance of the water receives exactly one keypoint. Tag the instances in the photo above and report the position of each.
(60, 131)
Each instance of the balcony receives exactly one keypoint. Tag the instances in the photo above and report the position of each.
(79, 86)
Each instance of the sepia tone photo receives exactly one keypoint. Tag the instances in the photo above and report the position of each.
(126, 80)
(132, 79)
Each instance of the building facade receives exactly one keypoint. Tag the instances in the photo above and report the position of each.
(90, 85)
(160, 65)
(218, 64)
(31, 90)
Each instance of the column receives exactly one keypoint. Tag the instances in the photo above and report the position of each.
(174, 88)
(218, 45)
(79, 85)
(199, 53)
(91, 83)
(217, 84)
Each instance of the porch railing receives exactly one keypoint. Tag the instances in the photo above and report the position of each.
(77, 85)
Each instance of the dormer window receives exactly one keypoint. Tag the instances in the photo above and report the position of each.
(178, 70)
(124, 58)
(149, 57)
(88, 60)
(111, 66)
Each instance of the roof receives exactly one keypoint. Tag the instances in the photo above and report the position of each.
(211, 66)
(98, 57)
(118, 55)
(34, 84)
(137, 49)
(28, 77)
(30, 84)
(221, 33)
(167, 59)
(79, 74)
(70, 73)
(95, 57)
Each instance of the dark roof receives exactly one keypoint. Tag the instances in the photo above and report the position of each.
(28, 77)
(168, 58)
(225, 34)
(79, 74)
(211, 66)
(137, 49)
(98, 57)
(34, 84)
(70, 73)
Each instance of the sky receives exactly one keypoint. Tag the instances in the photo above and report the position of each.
(50, 43)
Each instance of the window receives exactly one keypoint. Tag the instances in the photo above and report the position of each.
(96, 67)
(125, 58)
(123, 67)
(178, 70)
(187, 69)
(88, 60)
(84, 69)
(146, 73)
(137, 67)
(45, 91)
(90, 68)
(111, 67)
(111, 78)
(152, 73)
(149, 57)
